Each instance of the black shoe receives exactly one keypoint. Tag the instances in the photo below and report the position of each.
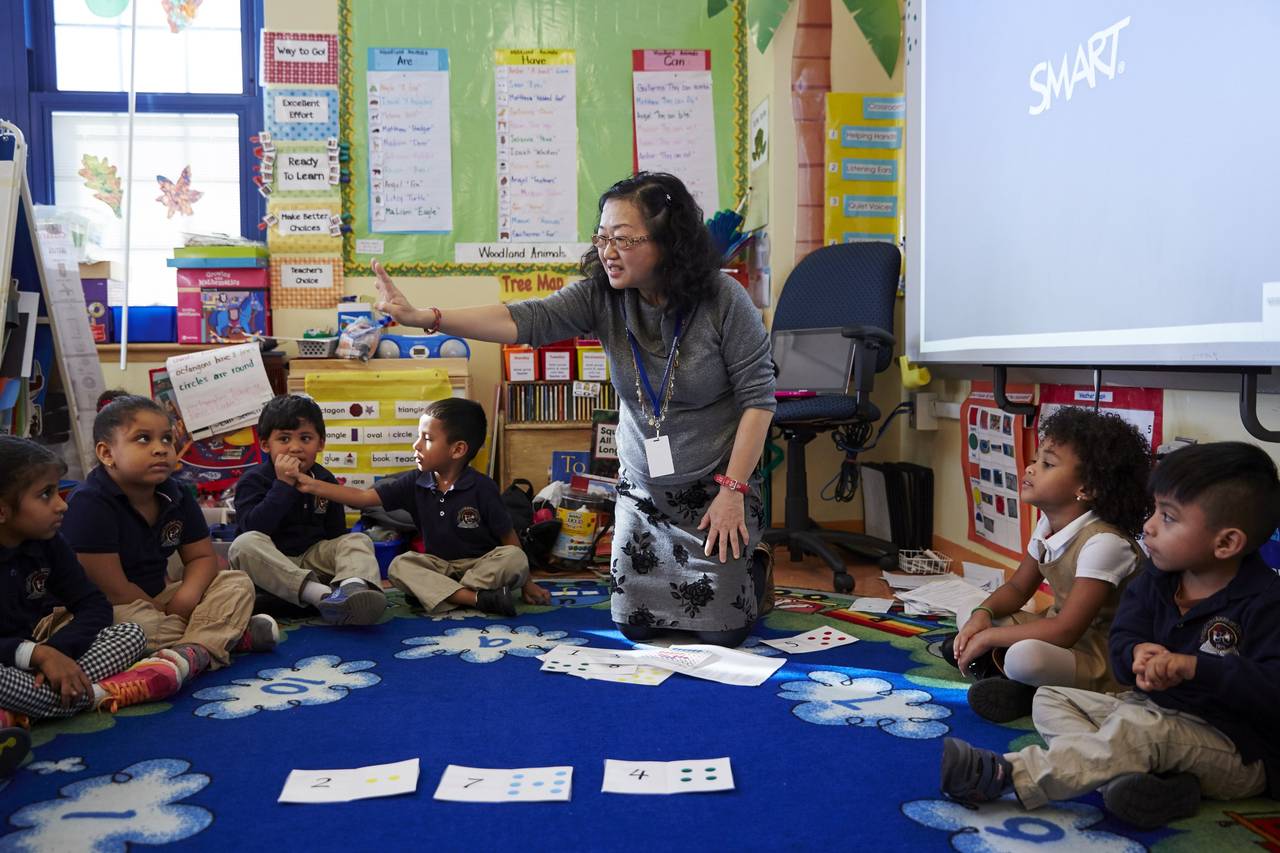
(1001, 700)
(1148, 801)
(496, 601)
(971, 775)
(15, 743)
(983, 666)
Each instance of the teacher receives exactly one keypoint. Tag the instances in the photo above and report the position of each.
(690, 360)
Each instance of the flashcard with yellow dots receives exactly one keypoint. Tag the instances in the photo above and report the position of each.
(342, 786)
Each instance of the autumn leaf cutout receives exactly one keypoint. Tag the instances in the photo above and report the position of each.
(100, 176)
(177, 196)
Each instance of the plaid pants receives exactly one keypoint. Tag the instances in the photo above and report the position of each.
(114, 650)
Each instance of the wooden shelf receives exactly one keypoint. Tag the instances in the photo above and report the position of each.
(158, 352)
(550, 425)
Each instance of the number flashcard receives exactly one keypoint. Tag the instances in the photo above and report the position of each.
(342, 786)
(496, 785)
(812, 641)
(667, 777)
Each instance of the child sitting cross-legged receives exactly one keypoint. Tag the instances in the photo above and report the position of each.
(473, 556)
(58, 648)
(128, 518)
(1198, 634)
(289, 539)
(1089, 482)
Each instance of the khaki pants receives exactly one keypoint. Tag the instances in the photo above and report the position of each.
(1094, 738)
(217, 623)
(431, 579)
(329, 560)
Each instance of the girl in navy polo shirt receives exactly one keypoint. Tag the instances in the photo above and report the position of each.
(58, 648)
(126, 520)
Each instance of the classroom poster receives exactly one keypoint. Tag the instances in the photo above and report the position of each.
(675, 125)
(220, 390)
(300, 113)
(864, 166)
(997, 448)
(1142, 407)
(536, 119)
(409, 145)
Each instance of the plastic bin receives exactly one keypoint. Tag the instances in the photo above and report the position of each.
(385, 552)
(157, 324)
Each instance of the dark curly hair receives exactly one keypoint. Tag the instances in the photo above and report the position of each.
(1115, 461)
(688, 263)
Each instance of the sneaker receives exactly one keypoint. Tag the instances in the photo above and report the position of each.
(148, 680)
(495, 601)
(353, 605)
(981, 667)
(1001, 700)
(971, 775)
(15, 743)
(13, 720)
(189, 658)
(262, 635)
(1148, 801)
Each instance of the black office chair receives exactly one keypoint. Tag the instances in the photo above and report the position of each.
(851, 287)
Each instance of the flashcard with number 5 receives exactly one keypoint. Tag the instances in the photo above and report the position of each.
(667, 777)
(812, 641)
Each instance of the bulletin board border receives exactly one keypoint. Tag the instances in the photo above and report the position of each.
(346, 120)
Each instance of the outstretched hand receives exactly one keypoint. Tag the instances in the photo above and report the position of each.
(392, 301)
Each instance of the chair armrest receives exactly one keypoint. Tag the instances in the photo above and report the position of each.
(868, 341)
(869, 333)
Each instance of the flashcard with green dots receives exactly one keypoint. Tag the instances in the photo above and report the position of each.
(667, 777)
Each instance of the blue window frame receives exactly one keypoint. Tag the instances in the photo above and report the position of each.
(33, 37)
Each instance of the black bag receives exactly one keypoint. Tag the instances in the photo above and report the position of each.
(535, 539)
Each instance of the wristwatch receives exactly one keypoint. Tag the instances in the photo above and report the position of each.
(730, 483)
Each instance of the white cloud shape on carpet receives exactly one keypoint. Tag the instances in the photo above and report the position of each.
(316, 680)
(1003, 825)
(74, 764)
(488, 644)
(838, 699)
(138, 805)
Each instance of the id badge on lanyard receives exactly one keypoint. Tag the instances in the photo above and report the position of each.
(657, 450)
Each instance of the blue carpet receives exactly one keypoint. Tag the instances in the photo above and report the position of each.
(838, 750)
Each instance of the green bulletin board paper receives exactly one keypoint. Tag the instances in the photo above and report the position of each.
(601, 32)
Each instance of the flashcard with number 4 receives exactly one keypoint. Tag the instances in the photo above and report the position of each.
(812, 641)
(341, 786)
(667, 777)
(496, 785)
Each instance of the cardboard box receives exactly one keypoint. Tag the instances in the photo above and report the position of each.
(97, 304)
(222, 305)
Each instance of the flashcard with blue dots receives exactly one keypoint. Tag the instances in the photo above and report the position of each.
(491, 785)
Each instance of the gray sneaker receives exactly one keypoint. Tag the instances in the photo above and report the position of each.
(1148, 801)
(347, 605)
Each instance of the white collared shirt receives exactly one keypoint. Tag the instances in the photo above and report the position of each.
(1105, 557)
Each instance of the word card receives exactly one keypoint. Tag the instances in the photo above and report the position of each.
(727, 666)
(667, 777)
(871, 605)
(494, 785)
(342, 786)
(812, 641)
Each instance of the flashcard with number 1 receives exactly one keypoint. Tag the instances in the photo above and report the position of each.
(667, 777)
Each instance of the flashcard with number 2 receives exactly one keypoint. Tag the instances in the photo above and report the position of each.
(341, 786)
(496, 785)
(667, 777)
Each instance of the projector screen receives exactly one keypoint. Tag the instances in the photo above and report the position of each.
(1093, 183)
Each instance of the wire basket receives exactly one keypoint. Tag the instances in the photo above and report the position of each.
(317, 347)
(917, 562)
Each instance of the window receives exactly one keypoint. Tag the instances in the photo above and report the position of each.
(198, 102)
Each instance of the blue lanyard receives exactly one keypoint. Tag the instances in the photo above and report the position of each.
(644, 374)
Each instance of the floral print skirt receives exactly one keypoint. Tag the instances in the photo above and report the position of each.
(659, 577)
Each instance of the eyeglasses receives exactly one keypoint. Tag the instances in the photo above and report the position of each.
(622, 244)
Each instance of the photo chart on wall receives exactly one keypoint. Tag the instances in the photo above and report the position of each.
(675, 125)
(997, 447)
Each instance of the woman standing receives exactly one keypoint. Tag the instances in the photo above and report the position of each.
(690, 359)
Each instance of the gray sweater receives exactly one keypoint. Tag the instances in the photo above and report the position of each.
(724, 367)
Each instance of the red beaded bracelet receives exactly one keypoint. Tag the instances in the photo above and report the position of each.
(435, 324)
(730, 483)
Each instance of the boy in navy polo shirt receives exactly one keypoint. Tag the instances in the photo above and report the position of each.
(1198, 634)
(288, 539)
(473, 554)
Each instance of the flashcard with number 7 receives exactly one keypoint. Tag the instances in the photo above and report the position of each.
(667, 777)
(497, 785)
(812, 641)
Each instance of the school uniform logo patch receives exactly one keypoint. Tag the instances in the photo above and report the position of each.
(171, 534)
(1220, 637)
(322, 506)
(36, 583)
(468, 518)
